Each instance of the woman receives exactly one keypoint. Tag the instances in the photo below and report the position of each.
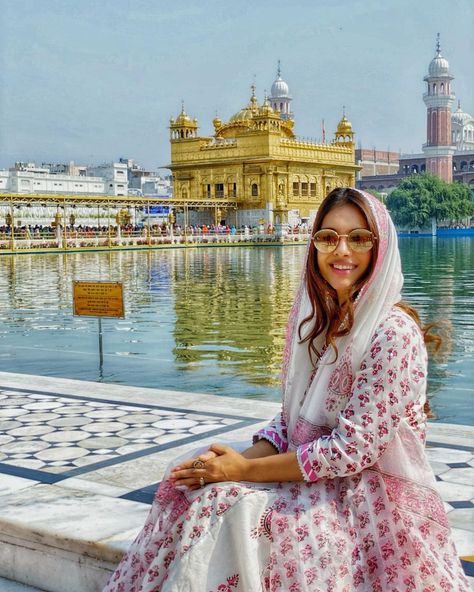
(336, 494)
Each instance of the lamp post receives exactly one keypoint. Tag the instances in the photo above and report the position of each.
(11, 215)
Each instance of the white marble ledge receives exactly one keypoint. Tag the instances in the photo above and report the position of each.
(76, 521)
(145, 396)
(80, 484)
(11, 586)
(9, 484)
(449, 433)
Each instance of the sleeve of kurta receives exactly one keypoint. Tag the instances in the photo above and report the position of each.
(275, 432)
(388, 387)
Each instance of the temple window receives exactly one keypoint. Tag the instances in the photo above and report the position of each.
(219, 190)
(312, 189)
(296, 189)
(304, 189)
(232, 189)
(254, 190)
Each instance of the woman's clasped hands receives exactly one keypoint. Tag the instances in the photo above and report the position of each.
(219, 463)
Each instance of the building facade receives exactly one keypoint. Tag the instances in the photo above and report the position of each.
(255, 161)
(449, 148)
(29, 178)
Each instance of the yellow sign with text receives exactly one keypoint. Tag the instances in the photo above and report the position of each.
(98, 299)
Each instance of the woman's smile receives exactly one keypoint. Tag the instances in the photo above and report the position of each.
(343, 267)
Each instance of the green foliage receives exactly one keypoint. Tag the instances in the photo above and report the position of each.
(419, 198)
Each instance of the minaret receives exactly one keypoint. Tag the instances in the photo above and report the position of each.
(439, 100)
(280, 99)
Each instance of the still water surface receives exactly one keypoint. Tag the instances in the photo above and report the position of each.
(212, 320)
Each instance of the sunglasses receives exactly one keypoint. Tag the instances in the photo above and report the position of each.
(359, 240)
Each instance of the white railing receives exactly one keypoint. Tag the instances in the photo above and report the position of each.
(103, 239)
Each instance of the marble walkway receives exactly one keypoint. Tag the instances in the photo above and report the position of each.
(80, 461)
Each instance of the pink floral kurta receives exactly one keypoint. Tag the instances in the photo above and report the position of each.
(366, 518)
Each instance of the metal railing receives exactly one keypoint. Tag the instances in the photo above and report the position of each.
(21, 239)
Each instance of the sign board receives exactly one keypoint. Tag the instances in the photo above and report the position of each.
(158, 209)
(98, 299)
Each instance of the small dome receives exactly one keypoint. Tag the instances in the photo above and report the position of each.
(439, 66)
(266, 108)
(280, 89)
(217, 122)
(344, 126)
(461, 117)
(243, 115)
(183, 118)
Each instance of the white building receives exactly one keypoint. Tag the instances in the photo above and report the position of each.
(4, 180)
(144, 182)
(114, 176)
(29, 178)
(462, 129)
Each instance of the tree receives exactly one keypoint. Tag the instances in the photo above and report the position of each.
(419, 199)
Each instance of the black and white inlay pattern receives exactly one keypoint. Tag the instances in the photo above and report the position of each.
(60, 433)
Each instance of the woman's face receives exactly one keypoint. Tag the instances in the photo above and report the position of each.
(343, 267)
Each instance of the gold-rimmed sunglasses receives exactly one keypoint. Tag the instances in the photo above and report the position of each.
(359, 240)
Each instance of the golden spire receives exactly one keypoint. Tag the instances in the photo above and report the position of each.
(253, 98)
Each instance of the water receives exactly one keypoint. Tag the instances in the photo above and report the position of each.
(212, 320)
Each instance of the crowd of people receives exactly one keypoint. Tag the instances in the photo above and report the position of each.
(44, 232)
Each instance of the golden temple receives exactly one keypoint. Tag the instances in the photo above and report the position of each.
(256, 164)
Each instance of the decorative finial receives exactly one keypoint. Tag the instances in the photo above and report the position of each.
(438, 44)
(459, 104)
(182, 106)
(279, 69)
(343, 111)
(253, 98)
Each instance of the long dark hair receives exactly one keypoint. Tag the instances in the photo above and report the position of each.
(329, 316)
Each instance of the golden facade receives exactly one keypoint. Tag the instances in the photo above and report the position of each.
(256, 165)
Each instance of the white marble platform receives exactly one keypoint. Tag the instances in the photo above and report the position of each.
(10, 586)
(80, 461)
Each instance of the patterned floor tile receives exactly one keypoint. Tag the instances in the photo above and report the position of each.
(69, 435)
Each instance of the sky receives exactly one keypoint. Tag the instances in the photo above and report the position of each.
(95, 80)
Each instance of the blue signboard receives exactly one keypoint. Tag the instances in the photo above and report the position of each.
(158, 209)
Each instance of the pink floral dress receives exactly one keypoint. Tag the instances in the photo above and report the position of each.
(366, 517)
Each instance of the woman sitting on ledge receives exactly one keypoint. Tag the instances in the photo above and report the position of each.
(336, 494)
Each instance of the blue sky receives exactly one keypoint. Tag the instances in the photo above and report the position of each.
(93, 80)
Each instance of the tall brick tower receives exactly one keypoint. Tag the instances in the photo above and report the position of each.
(439, 100)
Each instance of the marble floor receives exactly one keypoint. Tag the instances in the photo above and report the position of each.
(80, 461)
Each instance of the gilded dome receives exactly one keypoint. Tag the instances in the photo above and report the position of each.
(266, 108)
(244, 114)
(183, 118)
(344, 126)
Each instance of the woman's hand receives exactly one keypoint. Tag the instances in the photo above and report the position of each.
(221, 463)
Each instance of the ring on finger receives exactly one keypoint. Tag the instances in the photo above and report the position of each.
(198, 464)
(201, 481)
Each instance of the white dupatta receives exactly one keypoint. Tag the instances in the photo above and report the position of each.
(374, 302)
